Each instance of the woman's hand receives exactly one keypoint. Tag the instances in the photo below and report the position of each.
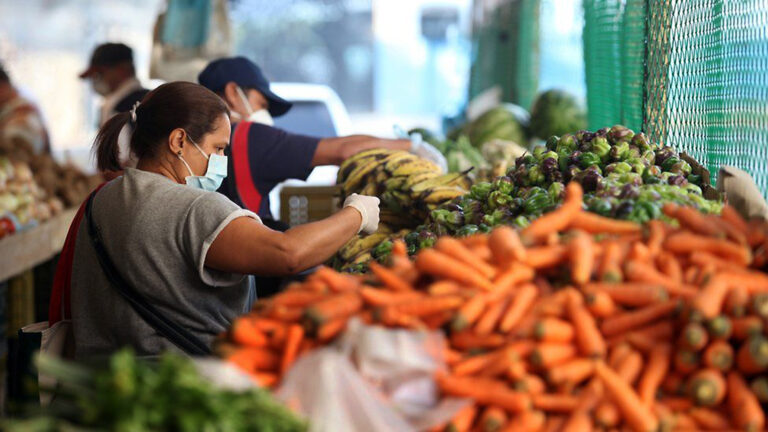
(368, 206)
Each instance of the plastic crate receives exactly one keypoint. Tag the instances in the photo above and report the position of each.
(304, 204)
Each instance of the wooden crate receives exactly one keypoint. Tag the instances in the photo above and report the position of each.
(303, 204)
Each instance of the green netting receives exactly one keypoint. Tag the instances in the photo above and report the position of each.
(506, 49)
(614, 55)
(711, 77)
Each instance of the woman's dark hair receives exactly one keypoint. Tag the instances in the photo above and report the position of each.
(184, 105)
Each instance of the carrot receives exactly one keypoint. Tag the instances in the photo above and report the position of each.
(759, 387)
(690, 275)
(693, 220)
(292, 343)
(634, 294)
(600, 304)
(453, 248)
(736, 301)
(296, 297)
(493, 419)
(655, 371)
(729, 215)
(747, 326)
(531, 384)
(462, 421)
(245, 332)
(527, 421)
(673, 384)
(581, 252)
(656, 233)
(574, 371)
(547, 355)
(469, 312)
(520, 303)
(610, 265)
(342, 304)
(670, 266)
(643, 272)
(286, 314)
(436, 263)
(484, 391)
(694, 336)
(437, 320)
(553, 330)
(252, 359)
(579, 421)
(686, 361)
(588, 337)
(746, 412)
(467, 340)
(631, 320)
(336, 281)
(637, 416)
(428, 305)
(399, 249)
(491, 317)
(718, 355)
(265, 379)
(707, 387)
(451, 356)
(475, 364)
(545, 256)
(686, 242)
(555, 402)
(382, 297)
(596, 224)
(506, 246)
(752, 357)
(404, 268)
(720, 327)
(560, 218)
(554, 423)
(760, 305)
(618, 354)
(607, 415)
(511, 276)
(677, 403)
(443, 287)
(630, 367)
(709, 419)
(331, 329)
(389, 278)
(506, 362)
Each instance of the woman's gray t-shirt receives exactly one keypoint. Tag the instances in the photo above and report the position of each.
(157, 232)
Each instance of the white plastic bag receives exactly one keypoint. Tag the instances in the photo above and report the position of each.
(374, 379)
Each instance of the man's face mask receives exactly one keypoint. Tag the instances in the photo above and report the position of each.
(260, 116)
(100, 86)
(214, 175)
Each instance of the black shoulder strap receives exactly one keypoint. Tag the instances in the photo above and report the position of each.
(178, 335)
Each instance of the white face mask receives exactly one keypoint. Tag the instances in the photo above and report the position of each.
(261, 116)
(100, 86)
(214, 174)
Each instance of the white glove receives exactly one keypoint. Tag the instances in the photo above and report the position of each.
(368, 206)
(423, 149)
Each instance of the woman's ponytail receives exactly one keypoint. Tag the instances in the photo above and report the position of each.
(106, 145)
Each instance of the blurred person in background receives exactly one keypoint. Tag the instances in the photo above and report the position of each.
(113, 76)
(262, 156)
(22, 131)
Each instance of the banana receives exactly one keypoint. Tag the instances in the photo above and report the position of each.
(440, 194)
(370, 189)
(359, 159)
(360, 244)
(363, 257)
(398, 159)
(418, 178)
(357, 177)
(416, 167)
(395, 183)
(381, 176)
(450, 179)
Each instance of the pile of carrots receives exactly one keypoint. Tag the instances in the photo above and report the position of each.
(576, 323)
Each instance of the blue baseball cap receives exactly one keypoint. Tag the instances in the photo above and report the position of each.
(245, 74)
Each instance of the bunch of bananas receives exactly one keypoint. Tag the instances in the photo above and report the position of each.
(409, 188)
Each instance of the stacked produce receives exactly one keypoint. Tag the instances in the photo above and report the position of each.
(556, 112)
(623, 174)
(409, 188)
(576, 322)
(22, 201)
(133, 395)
